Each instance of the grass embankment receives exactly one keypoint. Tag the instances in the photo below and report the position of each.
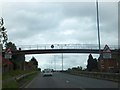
(11, 84)
(16, 84)
(0, 76)
(14, 73)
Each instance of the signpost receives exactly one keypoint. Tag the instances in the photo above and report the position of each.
(8, 54)
(52, 46)
(106, 52)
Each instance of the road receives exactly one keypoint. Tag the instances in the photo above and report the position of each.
(62, 80)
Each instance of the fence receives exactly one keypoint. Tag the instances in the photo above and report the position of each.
(100, 75)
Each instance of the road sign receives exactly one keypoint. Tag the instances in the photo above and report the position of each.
(52, 46)
(8, 54)
(106, 52)
(106, 49)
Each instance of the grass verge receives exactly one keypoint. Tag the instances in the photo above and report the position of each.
(12, 84)
(17, 84)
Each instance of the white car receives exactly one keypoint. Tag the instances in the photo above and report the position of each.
(47, 72)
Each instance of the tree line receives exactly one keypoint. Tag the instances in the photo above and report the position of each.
(92, 65)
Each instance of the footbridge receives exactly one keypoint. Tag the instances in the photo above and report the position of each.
(61, 48)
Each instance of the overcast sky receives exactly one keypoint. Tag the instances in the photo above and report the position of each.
(32, 23)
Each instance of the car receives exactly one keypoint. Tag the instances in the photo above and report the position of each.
(47, 72)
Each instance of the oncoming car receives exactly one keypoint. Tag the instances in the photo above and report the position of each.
(47, 72)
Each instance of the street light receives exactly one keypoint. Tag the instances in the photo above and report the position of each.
(98, 31)
(55, 62)
(62, 57)
(98, 26)
(62, 61)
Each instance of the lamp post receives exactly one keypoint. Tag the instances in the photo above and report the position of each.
(98, 32)
(62, 58)
(98, 26)
(55, 62)
(62, 61)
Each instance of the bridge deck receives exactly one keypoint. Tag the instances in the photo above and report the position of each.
(51, 51)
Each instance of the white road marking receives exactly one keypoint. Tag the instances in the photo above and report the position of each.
(30, 82)
(82, 88)
(67, 81)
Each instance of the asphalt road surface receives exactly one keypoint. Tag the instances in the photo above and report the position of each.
(62, 80)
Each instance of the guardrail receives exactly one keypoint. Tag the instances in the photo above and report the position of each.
(23, 76)
(106, 76)
(17, 78)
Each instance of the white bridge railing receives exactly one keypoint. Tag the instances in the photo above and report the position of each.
(64, 46)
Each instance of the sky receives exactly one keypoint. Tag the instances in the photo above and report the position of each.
(34, 23)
